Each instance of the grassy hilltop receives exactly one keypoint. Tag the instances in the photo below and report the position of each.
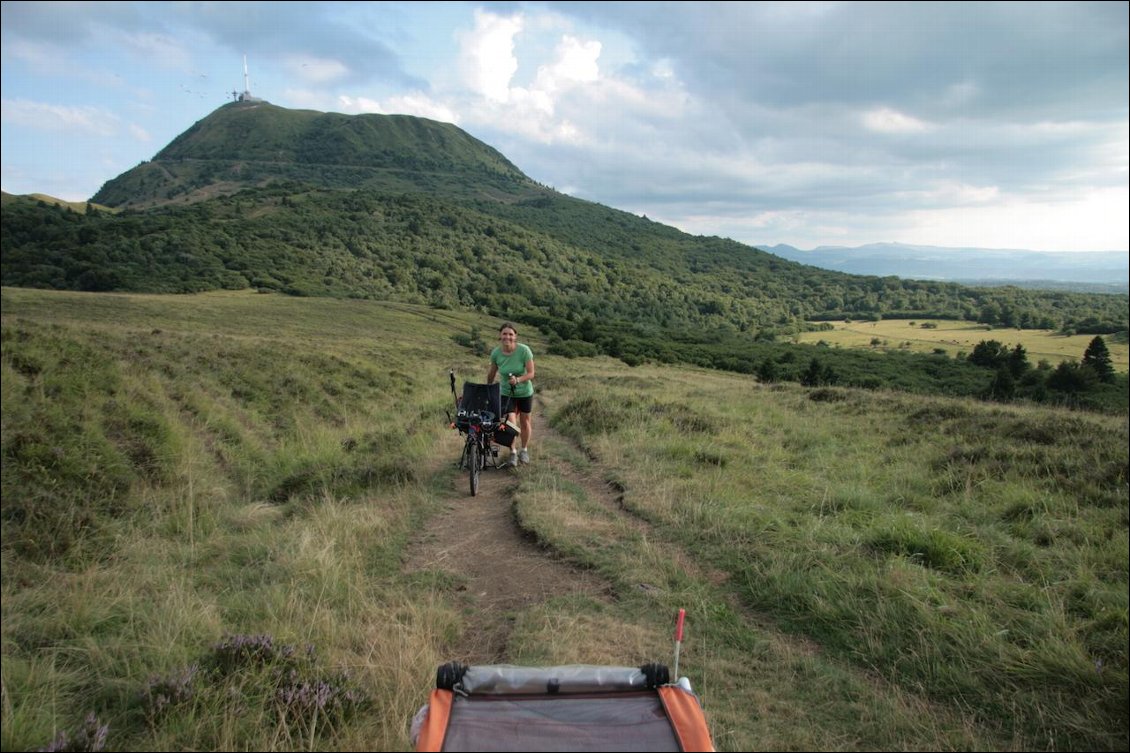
(193, 484)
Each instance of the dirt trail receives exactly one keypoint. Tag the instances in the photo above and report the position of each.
(505, 571)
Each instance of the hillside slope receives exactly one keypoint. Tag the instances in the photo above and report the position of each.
(243, 144)
(405, 209)
(193, 484)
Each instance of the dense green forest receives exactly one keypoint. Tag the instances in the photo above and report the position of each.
(405, 209)
(552, 257)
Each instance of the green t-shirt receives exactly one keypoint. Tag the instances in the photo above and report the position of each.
(515, 363)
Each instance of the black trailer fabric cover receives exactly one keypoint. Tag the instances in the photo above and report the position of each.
(606, 722)
(568, 708)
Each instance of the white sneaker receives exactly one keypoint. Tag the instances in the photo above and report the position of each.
(513, 461)
(524, 455)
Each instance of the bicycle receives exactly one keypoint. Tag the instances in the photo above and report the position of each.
(479, 418)
(479, 427)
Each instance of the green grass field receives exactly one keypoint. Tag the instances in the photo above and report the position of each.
(209, 499)
(959, 337)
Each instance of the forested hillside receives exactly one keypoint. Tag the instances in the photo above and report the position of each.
(406, 209)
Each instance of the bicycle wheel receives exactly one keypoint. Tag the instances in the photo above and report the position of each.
(474, 465)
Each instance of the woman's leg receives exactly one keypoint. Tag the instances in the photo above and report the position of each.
(526, 429)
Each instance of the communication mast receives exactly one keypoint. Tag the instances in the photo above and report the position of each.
(246, 96)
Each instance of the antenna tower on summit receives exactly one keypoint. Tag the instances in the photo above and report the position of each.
(246, 96)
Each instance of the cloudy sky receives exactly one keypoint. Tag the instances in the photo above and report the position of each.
(807, 123)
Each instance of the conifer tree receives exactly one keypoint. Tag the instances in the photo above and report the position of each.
(1097, 357)
(1018, 361)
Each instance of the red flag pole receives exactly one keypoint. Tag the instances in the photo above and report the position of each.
(678, 642)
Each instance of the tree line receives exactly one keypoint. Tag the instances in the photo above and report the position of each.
(594, 279)
(1070, 382)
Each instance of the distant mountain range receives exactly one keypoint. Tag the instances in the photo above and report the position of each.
(1100, 270)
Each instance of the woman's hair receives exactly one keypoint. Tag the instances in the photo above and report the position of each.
(508, 325)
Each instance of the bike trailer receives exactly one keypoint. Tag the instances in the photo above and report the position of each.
(568, 708)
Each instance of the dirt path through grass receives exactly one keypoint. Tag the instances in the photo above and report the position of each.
(502, 569)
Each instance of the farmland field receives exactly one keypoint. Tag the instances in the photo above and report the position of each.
(959, 337)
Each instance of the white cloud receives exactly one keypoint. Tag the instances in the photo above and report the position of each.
(1088, 221)
(91, 120)
(960, 94)
(156, 49)
(353, 105)
(42, 57)
(415, 103)
(663, 69)
(315, 99)
(488, 55)
(569, 100)
(422, 106)
(139, 133)
(886, 120)
(575, 63)
(947, 194)
(531, 112)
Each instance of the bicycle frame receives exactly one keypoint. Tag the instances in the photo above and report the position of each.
(478, 454)
(478, 423)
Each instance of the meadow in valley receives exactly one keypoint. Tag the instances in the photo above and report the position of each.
(954, 337)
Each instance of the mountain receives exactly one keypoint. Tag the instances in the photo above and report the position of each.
(244, 144)
(398, 208)
(1107, 270)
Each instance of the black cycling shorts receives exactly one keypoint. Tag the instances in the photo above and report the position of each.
(517, 404)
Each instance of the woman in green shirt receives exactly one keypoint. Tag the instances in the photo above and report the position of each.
(515, 362)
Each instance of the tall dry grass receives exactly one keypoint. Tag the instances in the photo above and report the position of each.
(206, 501)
